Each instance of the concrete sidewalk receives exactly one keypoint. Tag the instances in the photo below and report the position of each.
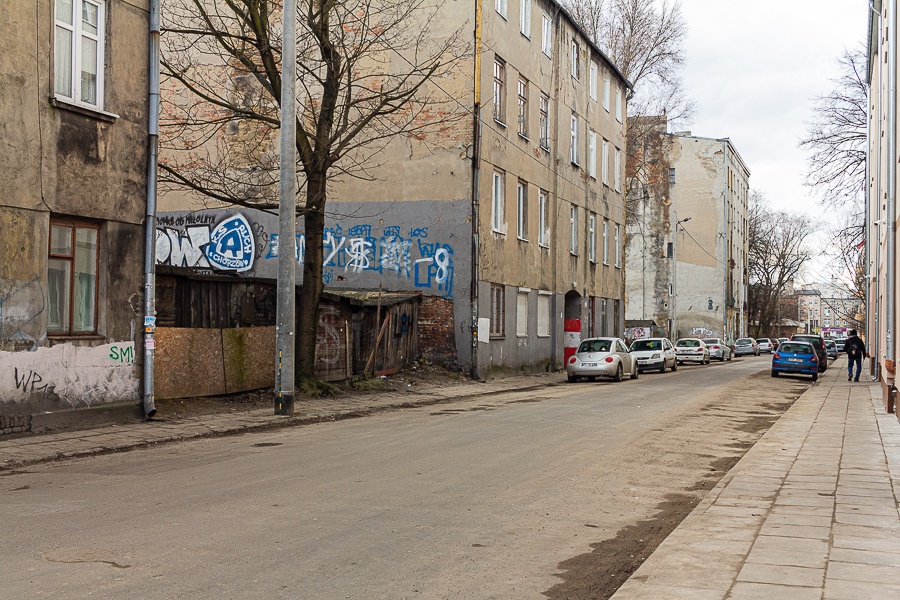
(25, 450)
(811, 511)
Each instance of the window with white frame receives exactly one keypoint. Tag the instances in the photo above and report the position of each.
(500, 5)
(522, 210)
(618, 242)
(592, 154)
(573, 229)
(617, 176)
(606, 92)
(545, 121)
(498, 202)
(592, 237)
(574, 139)
(72, 281)
(543, 230)
(604, 163)
(78, 51)
(605, 242)
(593, 80)
(522, 313)
(499, 90)
(543, 314)
(498, 310)
(522, 94)
(525, 18)
(576, 59)
(619, 111)
(546, 35)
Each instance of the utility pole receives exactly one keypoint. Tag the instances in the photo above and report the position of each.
(285, 329)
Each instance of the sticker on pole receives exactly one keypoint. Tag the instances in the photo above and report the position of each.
(150, 344)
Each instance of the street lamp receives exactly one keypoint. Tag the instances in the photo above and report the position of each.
(675, 275)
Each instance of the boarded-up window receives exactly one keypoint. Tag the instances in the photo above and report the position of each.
(498, 310)
(543, 315)
(522, 314)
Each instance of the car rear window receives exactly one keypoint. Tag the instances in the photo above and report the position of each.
(744, 341)
(688, 343)
(594, 346)
(647, 345)
(795, 348)
(712, 341)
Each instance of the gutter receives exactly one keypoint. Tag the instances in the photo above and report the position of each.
(149, 405)
(476, 174)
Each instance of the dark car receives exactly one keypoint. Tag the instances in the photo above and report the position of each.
(796, 357)
(818, 342)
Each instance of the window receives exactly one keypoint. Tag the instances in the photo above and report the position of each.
(670, 250)
(618, 248)
(500, 5)
(72, 277)
(523, 107)
(604, 164)
(605, 242)
(499, 84)
(573, 230)
(525, 18)
(593, 81)
(522, 313)
(592, 237)
(592, 154)
(617, 176)
(498, 221)
(522, 209)
(576, 59)
(672, 175)
(574, 136)
(543, 230)
(606, 93)
(546, 35)
(543, 309)
(618, 104)
(498, 310)
(78, 51)
(545, 122)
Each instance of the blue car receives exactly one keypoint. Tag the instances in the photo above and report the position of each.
(796, 357)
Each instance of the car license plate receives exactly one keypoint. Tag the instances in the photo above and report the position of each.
(795, 360)
(589, 364)
(643, 362)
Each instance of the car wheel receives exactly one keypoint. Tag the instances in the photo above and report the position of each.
(662, 369)
(572, 378)
(774, 373)
(675, 366)
(618, 376)
(592, 378)
(815, 377)
(634, 372)
(706, 361)
(729, 357)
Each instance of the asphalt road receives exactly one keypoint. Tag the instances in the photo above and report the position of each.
(487, 498)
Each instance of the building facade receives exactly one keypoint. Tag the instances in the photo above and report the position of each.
(511, 222)
(687, 244)
(73, 117)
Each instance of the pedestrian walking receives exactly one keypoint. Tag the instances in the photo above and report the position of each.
(855, 349)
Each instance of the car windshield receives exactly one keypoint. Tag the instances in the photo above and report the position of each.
(763, 341)
(594, 346)
(711, 341)
(688, 343)
(744, 341)
(795, 348)
(647, 345)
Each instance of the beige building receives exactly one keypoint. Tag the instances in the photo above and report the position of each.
(511, 223)
(687, 241)
(73, 172)
(881, 198)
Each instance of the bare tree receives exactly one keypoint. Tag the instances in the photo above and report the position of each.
(837, 136)
(778, 252)
(365, 76)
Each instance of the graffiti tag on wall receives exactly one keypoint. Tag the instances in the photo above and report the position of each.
(198, 241)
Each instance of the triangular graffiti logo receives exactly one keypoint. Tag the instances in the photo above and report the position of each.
(231, 245)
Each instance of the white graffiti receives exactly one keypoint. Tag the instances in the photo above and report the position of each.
(182, 249)
(395, 255)
(441, 260)
(359, 252)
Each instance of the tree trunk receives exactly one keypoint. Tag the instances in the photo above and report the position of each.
(311, 294)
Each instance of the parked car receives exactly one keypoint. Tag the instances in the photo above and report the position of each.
(718, 349)
(796, 357)
(780, 340)
(654, 354)
(839, 342)
(692, 349)
(775, 343)
(818, 342)
(746, 346)
(602, 357)
(765, 345)
(831, 349)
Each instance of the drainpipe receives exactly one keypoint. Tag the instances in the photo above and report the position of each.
(555, 322)
(476, 172)
(890, 222)
(725, 240)
(150, 218)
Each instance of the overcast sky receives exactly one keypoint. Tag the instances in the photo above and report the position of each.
(754, 67)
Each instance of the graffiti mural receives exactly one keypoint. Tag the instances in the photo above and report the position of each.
(20, 309)
(221, 241)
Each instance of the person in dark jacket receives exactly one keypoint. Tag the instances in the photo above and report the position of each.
(855, 349)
